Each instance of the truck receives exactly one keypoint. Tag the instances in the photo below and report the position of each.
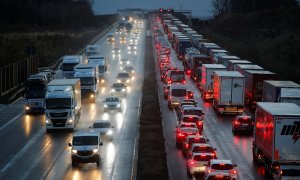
(181, 45)
(243, 67)
(254, 83)
(196, 62)
(214, 53)
(35, 92)
(224, 59)
(290, 95)
(196, 38)
(276, 142)
(187, 59)
(68, 64)
(101, 61)
(205, 83)
(89, 80)
(272, 88)
(228, 92)
(204, 47)
(62, 104)
(233, 63)
(92, 50)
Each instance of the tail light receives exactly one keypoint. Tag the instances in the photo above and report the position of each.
(236, 123)
(200, 123)
(192, 163)
(183, 81)
(189, 72)
(170, 97)
(181, 135)
(211, 170)
(187, 146)
(234, 171)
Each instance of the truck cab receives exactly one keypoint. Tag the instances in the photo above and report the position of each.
(68, 64)
(92, 50)
(101, 61)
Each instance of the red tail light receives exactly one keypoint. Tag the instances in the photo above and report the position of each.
(183, 81)
(192, 163)
(236, 123)
(211, 170)
(187, 146)
(199, 123)
(234, 171)
(181, 135)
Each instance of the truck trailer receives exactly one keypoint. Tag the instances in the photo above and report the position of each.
(228, 92)
(290, 95)
(276, 139)
(272, 88)
(233, 63)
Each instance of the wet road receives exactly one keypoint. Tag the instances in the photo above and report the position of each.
(28, 152)
(217, 129)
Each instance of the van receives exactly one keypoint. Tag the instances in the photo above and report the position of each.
(178, 93)
(86, 148)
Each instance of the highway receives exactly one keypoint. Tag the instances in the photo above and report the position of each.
(28, 152)
(217, 129)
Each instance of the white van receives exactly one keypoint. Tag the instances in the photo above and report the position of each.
(178, 92)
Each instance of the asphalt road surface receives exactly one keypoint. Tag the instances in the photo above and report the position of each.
(28, 152)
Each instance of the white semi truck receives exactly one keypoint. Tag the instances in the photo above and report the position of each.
(290, 95)
(229, 89)
(89, 80)
(102, 63)
(68, 64)
(206, 87)
(92, 50)
(62, 104)
(276, 142)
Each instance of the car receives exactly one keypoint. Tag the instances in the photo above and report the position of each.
(112, 103)
(116, 51)
(118, 89)
(190, 94)
(177, 93)
(242, 123)
(190, 140)
(124, 77)
(86, 148)
(124, 61)
(103, 127)
(221, 165)
(122, 39)
(129, 69)
(110, 38)
(198, 120)
(185, 103)
(218, 176)
(191, 111)
(133, 40)
(197, 162)
(201, 148)
(132, 49)
(184, 130)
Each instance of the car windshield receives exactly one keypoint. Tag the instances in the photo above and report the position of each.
(85, 140)
(68, 66)
(222, 166)
(101, 125)
(35, 93)
(128, 68)
(123, 75)
(245, 120)
(118, 85)
(58, 103)
(219, 177)
(177, 78)
(112, 99)
(202, 158)
(202, 149)
(179, 92)
(196, 112)
(196, 140)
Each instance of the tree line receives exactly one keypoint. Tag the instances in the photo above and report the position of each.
(245, 6)
(47, 13)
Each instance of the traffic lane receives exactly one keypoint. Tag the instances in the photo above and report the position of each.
(110, 147)
(236, 147)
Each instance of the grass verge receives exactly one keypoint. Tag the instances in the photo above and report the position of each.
(152, 162)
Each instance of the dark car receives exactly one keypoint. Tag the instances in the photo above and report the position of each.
(242, 123)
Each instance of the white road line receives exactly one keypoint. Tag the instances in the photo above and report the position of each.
(21, 153)
(11, 121)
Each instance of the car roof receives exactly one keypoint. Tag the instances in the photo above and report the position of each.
(189, 129)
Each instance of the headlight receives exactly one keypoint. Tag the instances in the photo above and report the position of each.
(95, 150)
(113, 90)
(123, 89)
(129, 48)
(132, 71)
(48, 121)
(128, 62)
(134, 47)
(113, 51)
(92, 95)
(105, 105)
(119, 80)
(118, 105)
(130, 40)
(119, 51)
(109, 132)
(127, 80)
(70, 120)
(27, 108)
(102, 81)
(74, 151)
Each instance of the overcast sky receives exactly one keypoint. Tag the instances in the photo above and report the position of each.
(200, 8)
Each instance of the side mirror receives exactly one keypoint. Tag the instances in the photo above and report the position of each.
(101, 144)
(69, 144)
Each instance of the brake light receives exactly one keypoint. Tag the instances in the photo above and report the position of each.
(192, 163)
(170, 97)
(199, 123)
(234, 171)
(181, 135)
(187, 146)
(183, 81)
(189, 72)
(236, 123)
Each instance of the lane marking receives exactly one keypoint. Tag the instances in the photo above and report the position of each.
(11, 121)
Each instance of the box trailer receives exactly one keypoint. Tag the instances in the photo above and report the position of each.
(233, 63)
(271, 89)
(290, 95)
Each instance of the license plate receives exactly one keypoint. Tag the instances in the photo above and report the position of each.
(244, 124)
(84, 157)
(231, 109)
(59, 123)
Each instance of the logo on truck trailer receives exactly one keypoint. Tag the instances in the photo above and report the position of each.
(292, 130)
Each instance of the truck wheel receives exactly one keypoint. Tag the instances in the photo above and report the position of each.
(48, 130)
(267, 170)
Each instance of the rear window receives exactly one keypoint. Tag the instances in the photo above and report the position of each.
(118, 85)
(177, 78)
(190, 119)
(202, 158)
(179, 92)
(203, 149)
(245, 120)
(219, 177)
(196, 112)
(196, 140)
(222, 166)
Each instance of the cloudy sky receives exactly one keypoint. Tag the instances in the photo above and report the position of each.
(200, 8)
